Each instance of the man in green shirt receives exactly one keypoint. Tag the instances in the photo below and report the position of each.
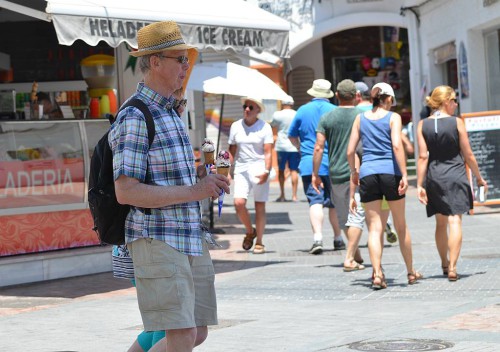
(334, 128)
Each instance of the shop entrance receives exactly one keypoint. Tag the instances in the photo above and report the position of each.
(372, 55)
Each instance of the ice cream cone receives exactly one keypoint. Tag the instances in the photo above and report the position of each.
(209, 157)
(223, 171)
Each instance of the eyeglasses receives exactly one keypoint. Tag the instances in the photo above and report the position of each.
(180, 59)
(455, 100)
(182, 102)
(245, 106)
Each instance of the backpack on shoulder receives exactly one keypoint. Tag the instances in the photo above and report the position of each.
(109, 215)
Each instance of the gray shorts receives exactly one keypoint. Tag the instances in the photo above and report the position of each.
(174, 290)
(340, 197)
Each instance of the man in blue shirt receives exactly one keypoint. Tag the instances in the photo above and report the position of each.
(302, 134)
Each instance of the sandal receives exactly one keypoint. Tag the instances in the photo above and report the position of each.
(414, 277)
(357, 266)
(259, 249)
(379, 282)
(452, 275)
(248, 240)
(445, 270)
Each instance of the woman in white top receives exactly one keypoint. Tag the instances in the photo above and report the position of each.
(250, 144)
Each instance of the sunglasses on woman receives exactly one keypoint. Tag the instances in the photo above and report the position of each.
(245, 106)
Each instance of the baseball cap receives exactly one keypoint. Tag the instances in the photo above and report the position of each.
(362, 87)
(386, 89)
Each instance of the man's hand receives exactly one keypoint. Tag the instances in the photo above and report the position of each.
(211, 185)
(316, 183)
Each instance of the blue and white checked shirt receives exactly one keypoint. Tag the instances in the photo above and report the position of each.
(170, 163)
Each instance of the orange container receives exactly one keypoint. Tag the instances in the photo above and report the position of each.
(113, 104)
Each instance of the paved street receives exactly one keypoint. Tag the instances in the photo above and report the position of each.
(286, 299)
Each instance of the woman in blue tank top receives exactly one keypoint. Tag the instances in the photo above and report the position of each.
(382, 175)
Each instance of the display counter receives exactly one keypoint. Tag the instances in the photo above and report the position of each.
(44, 167)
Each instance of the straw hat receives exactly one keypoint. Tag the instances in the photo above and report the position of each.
(321, 89)
(256, 101)
(158, 37)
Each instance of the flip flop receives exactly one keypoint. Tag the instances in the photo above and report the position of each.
(354, 268)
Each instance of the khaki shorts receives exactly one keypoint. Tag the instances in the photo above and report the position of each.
(174, 290)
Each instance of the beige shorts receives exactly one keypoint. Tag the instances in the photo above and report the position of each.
(174, 290)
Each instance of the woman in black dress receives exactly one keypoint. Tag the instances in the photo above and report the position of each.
(442, 183)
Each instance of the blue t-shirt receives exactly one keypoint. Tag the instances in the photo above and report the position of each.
(378, 156)
(304, 126)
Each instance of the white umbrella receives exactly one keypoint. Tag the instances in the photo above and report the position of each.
(244, 81)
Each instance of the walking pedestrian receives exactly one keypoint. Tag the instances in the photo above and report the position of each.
(334, 129)
(302, 134)
(164, 233)
(250, 145)
(286, 151)
(382, 174)
(442, 183)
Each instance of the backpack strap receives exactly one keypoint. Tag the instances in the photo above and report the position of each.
(150, 124)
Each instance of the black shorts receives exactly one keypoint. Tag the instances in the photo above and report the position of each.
(378, 186)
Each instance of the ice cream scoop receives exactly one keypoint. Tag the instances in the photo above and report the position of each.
(208, 150)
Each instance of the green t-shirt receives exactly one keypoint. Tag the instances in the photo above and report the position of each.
(336, 125)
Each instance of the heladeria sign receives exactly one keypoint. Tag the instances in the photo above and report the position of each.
(115, 31)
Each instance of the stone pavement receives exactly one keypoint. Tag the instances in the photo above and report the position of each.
(286, 299)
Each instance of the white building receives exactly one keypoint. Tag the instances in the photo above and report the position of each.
(438, 42)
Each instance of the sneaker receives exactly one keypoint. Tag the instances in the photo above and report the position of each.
(338, 245)
(317, 248)
(390, 234)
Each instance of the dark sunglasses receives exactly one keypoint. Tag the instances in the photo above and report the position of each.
(182, 102)
(245, 106)
(455, 100)
(180, 59)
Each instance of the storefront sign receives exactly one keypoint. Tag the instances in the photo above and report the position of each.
(115, 31)
(41, 182)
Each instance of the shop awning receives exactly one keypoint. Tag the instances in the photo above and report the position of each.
(219, 25)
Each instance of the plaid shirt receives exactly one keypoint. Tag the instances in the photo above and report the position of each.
(170, 162)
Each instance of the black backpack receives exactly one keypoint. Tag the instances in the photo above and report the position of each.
(109, 215)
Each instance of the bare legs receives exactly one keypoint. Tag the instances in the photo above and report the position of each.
(240, 205)
(181, 340)
(399, 221)
(449, 244)
(316, 218)
(334, 221)
(353, 235)
(376, 221)
(441, 236)
(294, 175)
(281, 179)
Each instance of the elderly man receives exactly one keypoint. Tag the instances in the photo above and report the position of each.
(163, 231)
